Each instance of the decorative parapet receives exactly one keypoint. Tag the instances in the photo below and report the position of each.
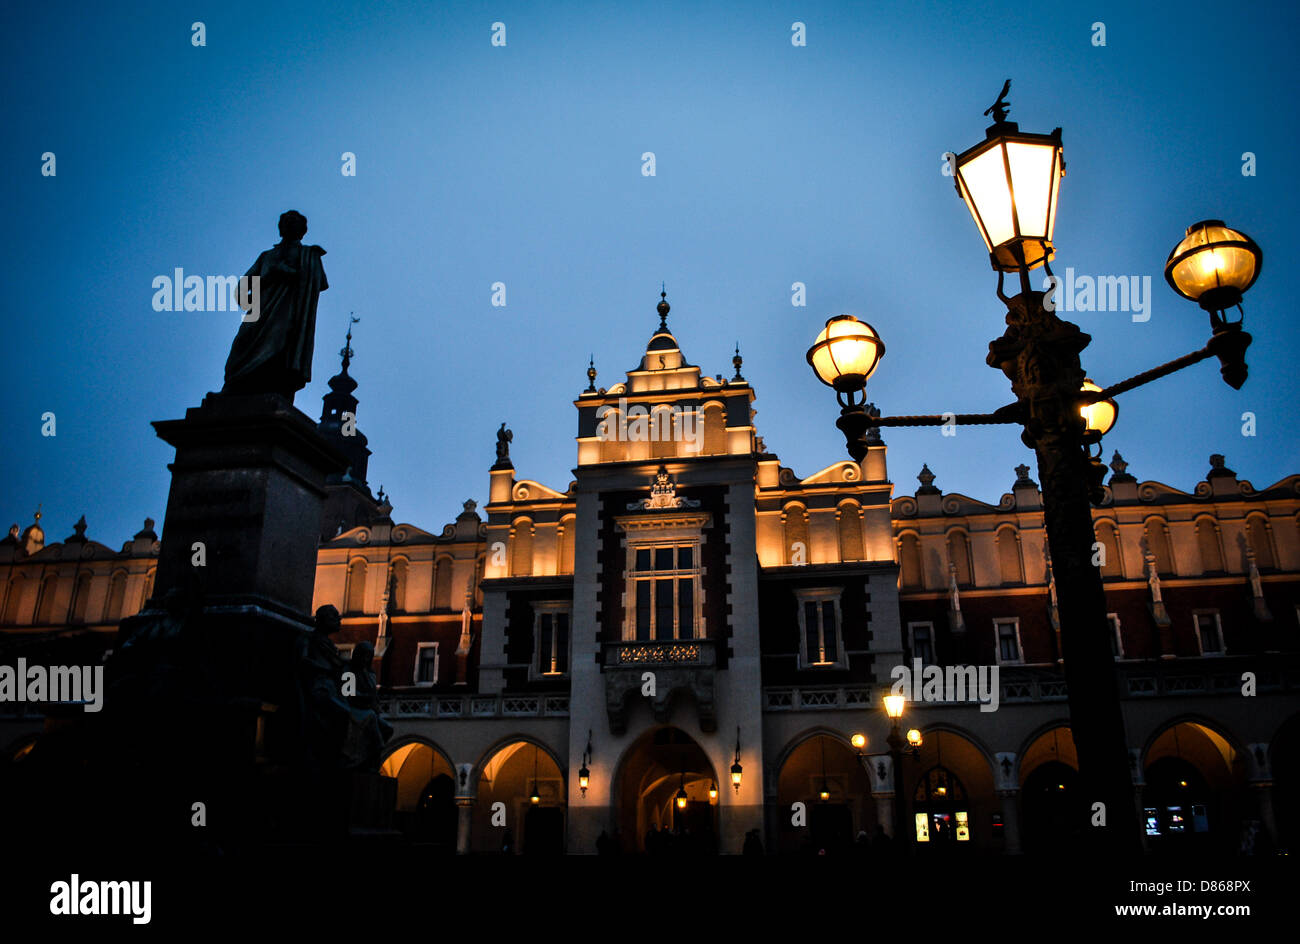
(474, 706)
(677, 665)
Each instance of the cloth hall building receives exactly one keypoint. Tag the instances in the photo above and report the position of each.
(690, 620)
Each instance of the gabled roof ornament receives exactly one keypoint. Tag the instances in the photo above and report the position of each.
(663, 495)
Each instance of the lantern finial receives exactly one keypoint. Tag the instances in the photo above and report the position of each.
(1000, 108)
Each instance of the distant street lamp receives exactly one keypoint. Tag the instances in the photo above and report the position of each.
(736, 769)
(1010, 182)
(894, 707)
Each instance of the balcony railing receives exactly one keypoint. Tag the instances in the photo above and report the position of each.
(816, 699)
(670, 652)
(473, 706)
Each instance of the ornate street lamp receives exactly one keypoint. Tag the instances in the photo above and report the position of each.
(1010, 182)
(713, 790)
(844, 356)
(1213, 266)
(584, 775)
(736, 769)
(681, 792)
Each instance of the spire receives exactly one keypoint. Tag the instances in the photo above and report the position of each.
(737, 361)
(338, 419)
(663, 307)
(591, 374)
(347, 351)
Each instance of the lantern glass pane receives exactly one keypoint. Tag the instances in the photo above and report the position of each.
(985, 189)
(853, 349)
(1031, 176)
(1213, 267)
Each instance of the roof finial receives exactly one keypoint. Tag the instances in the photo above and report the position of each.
(663, 307)
(1000, 108)
(738, 360)
(347, 351)
(591, 374)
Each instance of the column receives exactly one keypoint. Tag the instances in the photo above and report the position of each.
(1010, 821)
(464, 816)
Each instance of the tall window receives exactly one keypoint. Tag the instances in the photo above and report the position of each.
(922, 636)
(80, 597)
(819, 628)
(1111, 565)
(397, 586)
(1209, 632)
(1009, 556)
(959, 554)
(45, 602)
(909, 561)
(665, 591)
(1257, 530)
(850, 515)
(550, 639)
(1008, 640)
(426, 664)
(1158, 545)
(1207, 539)
(356, 592)
(116, 597)
(442, 584)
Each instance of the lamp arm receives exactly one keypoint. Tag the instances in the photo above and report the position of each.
(1007, 414)
(1155, 373)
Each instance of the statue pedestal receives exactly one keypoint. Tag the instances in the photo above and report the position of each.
(248, 484)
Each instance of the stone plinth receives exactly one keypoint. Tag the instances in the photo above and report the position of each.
(248, 484)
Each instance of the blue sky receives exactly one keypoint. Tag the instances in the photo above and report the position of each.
(522, 164)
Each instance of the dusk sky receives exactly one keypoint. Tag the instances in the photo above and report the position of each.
(522, 164)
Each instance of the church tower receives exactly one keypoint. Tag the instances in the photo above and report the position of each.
(348, 501)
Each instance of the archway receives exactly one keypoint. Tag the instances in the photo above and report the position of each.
(1194, 794)
(521, 801)
(666, 793)
(426, 794)
(952, 780)
(1053, 814)
(1284, 759)
(824, 774)
(1053, 811)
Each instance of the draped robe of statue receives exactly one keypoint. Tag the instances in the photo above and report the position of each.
(273, 353)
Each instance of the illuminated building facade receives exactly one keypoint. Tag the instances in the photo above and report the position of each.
(685, 638)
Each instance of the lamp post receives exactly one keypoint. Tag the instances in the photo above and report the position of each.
(1010, 182)
(898, 745)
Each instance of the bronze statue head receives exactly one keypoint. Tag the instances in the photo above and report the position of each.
(327, 620)
(293, 225)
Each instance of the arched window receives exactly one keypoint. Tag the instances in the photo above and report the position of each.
(567, 526)
(909, 561)
(850, 515)
(1112, 565)
(715, 431)
(442, 584)
(1261, 542)
(521, 548)
(610, 433)
(80, 597)
(796, 534)
(1207, 540)
(959, 555)
(45, 602)
(1009, 556)
(116, 597)
(663, 432)
(13, 598)
(397, 586)
(1158, 545)
(355, 601)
